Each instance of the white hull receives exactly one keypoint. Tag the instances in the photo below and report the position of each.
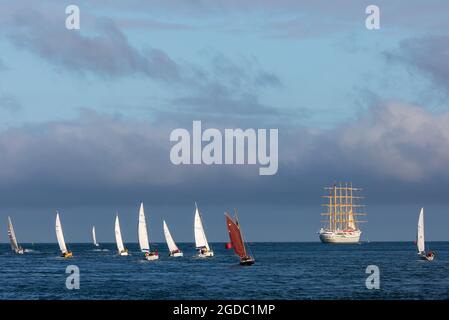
(176, 254)
(206, 254)
(340, 236)
(427, 257)
(124, 253)
(151, 257)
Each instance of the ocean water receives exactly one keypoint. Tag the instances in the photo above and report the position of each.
(282, 271)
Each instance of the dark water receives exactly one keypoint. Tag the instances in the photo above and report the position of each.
(282, 271)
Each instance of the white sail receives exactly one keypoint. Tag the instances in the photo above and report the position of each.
(200, 236)
(60, 235)
(170, 242)
(351, 221)
(12, 236)
(118, 235)
(94, 237)
(142, 231)
(420, 234)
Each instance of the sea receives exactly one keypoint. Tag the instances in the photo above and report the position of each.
(290, 271)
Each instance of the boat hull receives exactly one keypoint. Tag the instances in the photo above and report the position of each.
(247, 262)
(427, 257)
(176, 254)
(67, 254)
(206, 254)
(124, 253)
(340, 237)
(151, 257)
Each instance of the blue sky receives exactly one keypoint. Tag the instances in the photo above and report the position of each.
(85, 115)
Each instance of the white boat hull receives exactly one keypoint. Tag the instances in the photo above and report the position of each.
(427, 257)
(345, 237)
(176, 254)
(124, 253)
(206, 254)
(151, 257)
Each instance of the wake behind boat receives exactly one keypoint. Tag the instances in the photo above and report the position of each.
(235, 235)
(143, 237)
(12, 238)
(61, 242)
(420, 242)
(118, 238)
(172, 247)
(201, 243)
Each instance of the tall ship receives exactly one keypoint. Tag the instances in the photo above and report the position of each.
(343, 206)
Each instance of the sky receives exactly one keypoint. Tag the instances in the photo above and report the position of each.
(86, 115)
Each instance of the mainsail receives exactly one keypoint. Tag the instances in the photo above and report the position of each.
(94, 237)
(118, 235)
(12, 236)
(170, 242)
(142, 231)
(236, 236)
(200, 236)
(60, 235)
(420, 233)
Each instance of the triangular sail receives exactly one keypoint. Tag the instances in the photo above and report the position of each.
(200, 235)
(142, 231)
(420, 233)
(12, 236)
(94, 237)
(236, 237)
(170, 242)
(60, 235)
(118, 235)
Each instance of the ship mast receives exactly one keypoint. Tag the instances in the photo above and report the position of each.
(341, 207)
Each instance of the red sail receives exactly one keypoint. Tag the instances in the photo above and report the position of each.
(236, 237)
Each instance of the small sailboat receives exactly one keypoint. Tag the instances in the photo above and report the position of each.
(172, 247)
(420, 242)
(61, 242)
(235, 234)
(143, 237)
(12, 238)
(118, 238)
(201, 243)
(94, 237)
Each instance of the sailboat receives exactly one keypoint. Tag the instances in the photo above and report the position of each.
(12, 238)
(118, 238)
(235, 234)
(201, 243)
(94, 237)
(143, 237)
(172, 247)
(420, 242)
(60, 236)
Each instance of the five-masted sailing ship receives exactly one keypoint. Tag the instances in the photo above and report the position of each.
(342, 209)
(235, 235)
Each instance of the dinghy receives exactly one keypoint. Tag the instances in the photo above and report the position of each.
(118, 238)
(201, 243)
(235, 234)
(143, 237)
(12, 238)
(61, 242)
(94, 237)
(420, 242)
(172, 247)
